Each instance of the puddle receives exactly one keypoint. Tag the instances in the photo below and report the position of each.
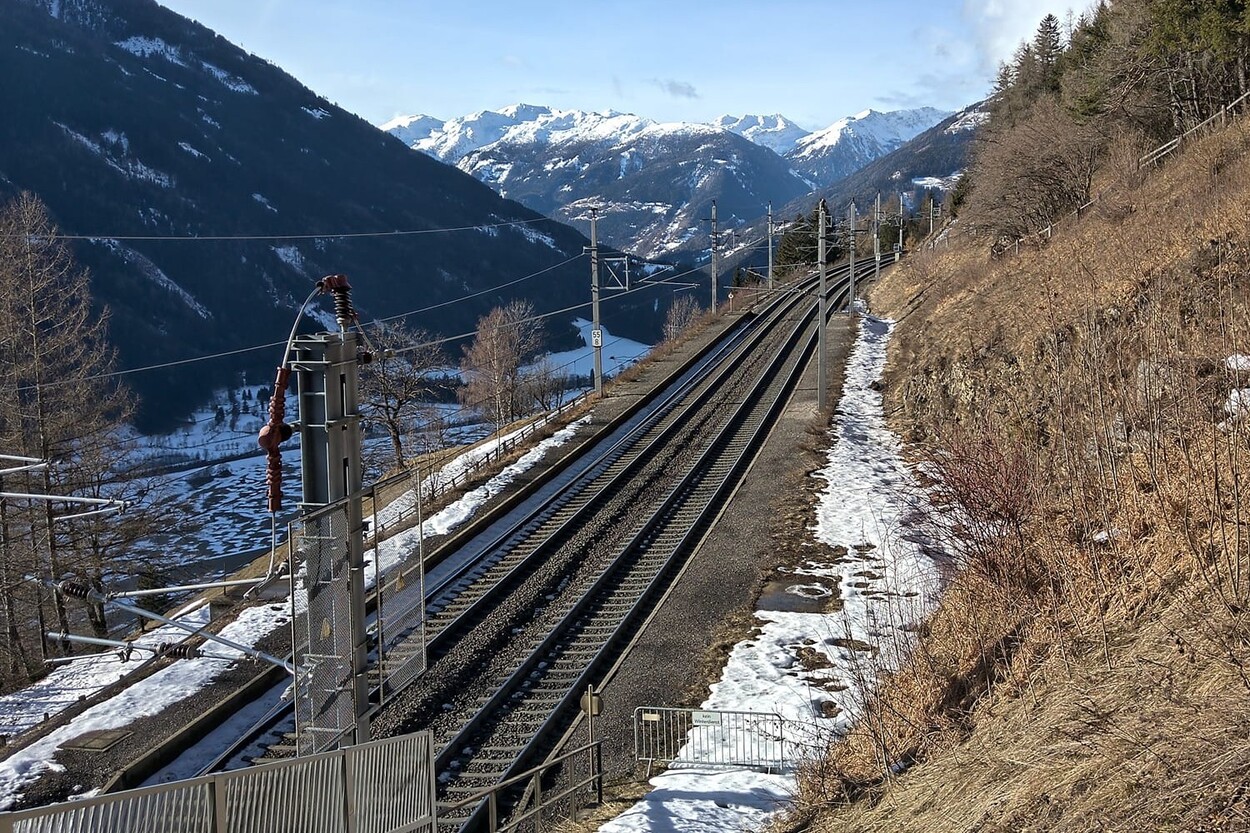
(815, 595)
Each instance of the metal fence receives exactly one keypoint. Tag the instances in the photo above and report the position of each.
(324, 706)
(435, 484)
(710, 738)
(386, 786)
(1225, 114)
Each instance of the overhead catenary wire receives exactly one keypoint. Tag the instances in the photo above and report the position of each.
(341, 235)
(270, 345)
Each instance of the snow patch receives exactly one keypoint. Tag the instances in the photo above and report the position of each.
(187, 147)
(230, 82)
(290, 255)
(153, 273)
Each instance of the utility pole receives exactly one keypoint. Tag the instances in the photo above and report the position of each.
(876, 239)
(821, 323)
(850, 220)
(770, 245)
(715, 261)
(902, 227)
(596, 334)
(326, 371)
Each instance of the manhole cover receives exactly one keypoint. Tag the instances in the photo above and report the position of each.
(97, 740)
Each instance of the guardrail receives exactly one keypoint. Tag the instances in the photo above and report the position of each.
(1154, 157)
(386, 786)
(703, 737)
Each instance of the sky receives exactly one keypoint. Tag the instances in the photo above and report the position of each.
(813, 61)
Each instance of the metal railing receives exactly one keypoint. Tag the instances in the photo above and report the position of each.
(701, 737)
(386, 786)
(1154, 157)
(436, 484)
(486, 802)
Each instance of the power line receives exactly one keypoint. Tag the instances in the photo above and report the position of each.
(270, 345)
(343, 235)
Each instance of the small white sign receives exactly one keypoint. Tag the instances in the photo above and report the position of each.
(596, 338)
(704, 718)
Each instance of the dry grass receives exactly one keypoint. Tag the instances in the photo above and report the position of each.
(1089, 668)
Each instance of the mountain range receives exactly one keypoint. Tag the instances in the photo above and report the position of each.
(653, 183)
(208, 190)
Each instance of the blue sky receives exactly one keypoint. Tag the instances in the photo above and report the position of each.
(669, 60)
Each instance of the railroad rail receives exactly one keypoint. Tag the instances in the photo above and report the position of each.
(706, 425)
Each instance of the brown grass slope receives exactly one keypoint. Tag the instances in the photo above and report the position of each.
(1089, 666)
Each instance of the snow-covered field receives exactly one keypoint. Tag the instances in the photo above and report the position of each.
(886, 584)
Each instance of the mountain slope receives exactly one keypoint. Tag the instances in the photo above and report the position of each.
(775, 132)
(132, 122)
(932, 160)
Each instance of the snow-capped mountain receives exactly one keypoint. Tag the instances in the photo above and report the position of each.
(412, 129)
(775, 132)
(652, 182)
(849, 144)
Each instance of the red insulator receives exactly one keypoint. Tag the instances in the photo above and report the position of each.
(271, 436)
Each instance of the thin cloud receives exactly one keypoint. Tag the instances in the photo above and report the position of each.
(677, 89)
(998, 26)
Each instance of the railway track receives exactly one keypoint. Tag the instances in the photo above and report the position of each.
(567, 578)
(595, 585)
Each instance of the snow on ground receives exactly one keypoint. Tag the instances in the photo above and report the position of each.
(395, 549)
(85, 676)
(618, 353)
(147, 697)
(886, 583)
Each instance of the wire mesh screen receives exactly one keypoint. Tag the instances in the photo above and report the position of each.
(324, 708)
(401, 610)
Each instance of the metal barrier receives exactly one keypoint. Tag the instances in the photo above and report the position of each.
(710, 738)
(325, 710)
(386, 786)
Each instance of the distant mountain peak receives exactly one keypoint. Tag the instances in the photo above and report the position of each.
(775, 131)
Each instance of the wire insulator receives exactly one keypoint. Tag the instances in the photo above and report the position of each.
(338, 286)
(177, 650)
(75, 589)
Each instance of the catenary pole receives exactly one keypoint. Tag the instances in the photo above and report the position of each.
(850, 221)
(821, 323)
(715, 261)
(770, 245)
(596, 334)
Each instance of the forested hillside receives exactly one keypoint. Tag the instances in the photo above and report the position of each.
(1080, 409)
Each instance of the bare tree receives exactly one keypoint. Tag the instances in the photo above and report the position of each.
(544, 386)
(493, 364)
(397, 385)
(681, 313)
(1028, 174)
(56, 403)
